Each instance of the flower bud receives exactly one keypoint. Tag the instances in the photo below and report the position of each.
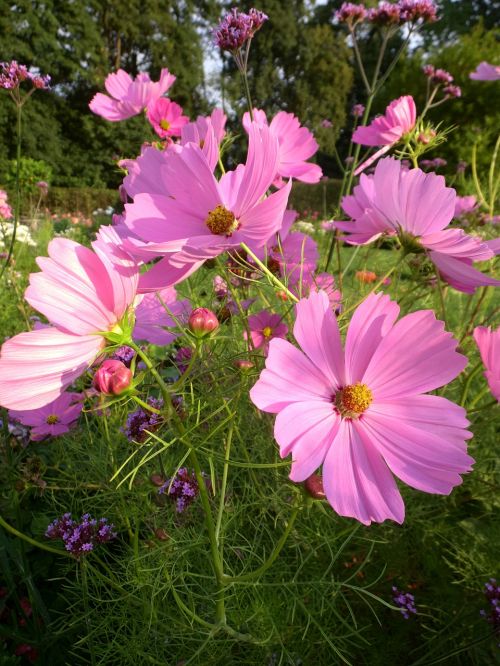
(113, 377)
(202, 322)
(243, 364)
(314, 486)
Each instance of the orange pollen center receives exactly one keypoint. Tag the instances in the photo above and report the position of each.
(52, 418)
(353, 400)
(221, 221)
(164, 124)
(267, 331)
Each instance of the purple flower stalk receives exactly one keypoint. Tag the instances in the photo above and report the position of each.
(237, 28)
(81, 538)
(405, 602)
(415, 10)
(183, 488)
(358, 110)
(12, 75)
(350, 13)
(124, 354)
(141, 420)
(385, 14)
(492, 594)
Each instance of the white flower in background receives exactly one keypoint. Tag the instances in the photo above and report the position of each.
(22, 233)
(306, 227)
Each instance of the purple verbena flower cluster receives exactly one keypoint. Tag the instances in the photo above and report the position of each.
(405, 602)
(492, 594)
(388, 13)
(183, 488)
(452, 91)
(237, 28)
(436, 163)
(358, 110)
(124, 354)
(81, 538)
(141, 420)
(437, 76)
(12, 75)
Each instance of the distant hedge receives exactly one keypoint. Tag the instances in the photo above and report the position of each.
(322, 198)
(303, 198)
(81, 199)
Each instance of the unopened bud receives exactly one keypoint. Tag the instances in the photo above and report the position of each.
(202, 322)
(243, 365)
(426, 137)
(113, 377)
(314, 486)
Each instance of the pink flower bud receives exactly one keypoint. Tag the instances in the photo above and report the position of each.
(113, 377)
(243, 365)
(314, 486)
(202, 322)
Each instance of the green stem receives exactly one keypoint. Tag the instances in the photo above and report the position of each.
(32, 542)
(441, 298)
(162, 385)
(270, 275)
(83, 569)
(220, 612)
(468, 381)
(252, 575)
(18, 191)
(487, 406)
(222, 501)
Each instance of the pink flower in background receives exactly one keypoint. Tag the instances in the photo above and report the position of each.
(196, 132)
(129, 96)
(199, 217)
(156, 315)
(361, 412)
(464, 205)
(265, 326)
(417, 207)
(399, 119)
(321, 282)
(296, 145)
(53, 419)
(486, 72)
(5, 209)
(82, 293)
(488, 342)
(166, 117)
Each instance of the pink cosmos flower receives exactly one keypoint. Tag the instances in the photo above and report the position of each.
(296, 145)
(166, 117)
(156, 316)
(486, 72)
(417, 207)
(361, 412)
(488, 342)
(196, 132)
(399, 119)
(198, 217)
(129, 96)
(321, 282)
(265, 326)
(53, 419)
(83, 293)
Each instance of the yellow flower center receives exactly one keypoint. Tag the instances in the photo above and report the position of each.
(267, 331)
(221, 221)
(164, 124)
(353, 400)
(52, 418)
